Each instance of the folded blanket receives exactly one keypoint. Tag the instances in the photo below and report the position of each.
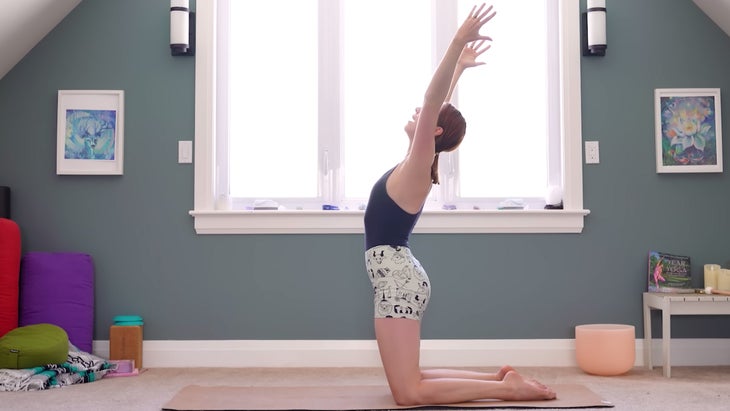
(80, 367)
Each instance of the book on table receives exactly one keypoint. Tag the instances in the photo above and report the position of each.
(669, 273)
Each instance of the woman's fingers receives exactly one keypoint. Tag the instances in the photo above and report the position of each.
(475, 20)
(486, 14)
(480, 15)
(479, 46)
(476, 14)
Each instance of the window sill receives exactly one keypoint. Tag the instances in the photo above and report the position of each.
(347, 222)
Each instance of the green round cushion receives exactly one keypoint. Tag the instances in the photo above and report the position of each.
(33, 346)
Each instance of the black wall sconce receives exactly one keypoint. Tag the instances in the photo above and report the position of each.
(182, 28)
(4, 202)
(593, 28)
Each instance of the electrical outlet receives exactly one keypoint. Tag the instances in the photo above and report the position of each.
(592, 156)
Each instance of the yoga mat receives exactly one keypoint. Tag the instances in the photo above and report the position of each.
(366, 397)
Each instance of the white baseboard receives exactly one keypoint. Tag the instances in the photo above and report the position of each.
(434, 353)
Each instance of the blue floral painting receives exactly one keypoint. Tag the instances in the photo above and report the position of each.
(90, 134)
(688, 131)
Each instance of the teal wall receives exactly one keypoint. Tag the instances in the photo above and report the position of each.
(150, 262)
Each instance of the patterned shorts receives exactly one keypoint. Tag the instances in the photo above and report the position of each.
(401, 287)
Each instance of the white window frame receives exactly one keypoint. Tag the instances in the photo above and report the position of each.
(212, 217)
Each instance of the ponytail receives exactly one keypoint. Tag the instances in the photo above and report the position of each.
(454, 128)
(435, 170)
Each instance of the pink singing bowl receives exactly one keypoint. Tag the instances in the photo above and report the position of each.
(605, 349)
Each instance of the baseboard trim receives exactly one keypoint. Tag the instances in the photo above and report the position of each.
(434, 353)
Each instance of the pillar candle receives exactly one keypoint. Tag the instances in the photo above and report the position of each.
(711, 274)
(723, 280)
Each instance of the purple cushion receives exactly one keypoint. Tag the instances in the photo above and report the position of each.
(58, 288)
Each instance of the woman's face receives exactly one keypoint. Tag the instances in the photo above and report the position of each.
(410, 127)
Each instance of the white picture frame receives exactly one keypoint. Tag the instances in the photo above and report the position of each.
(688, 128)
(90, 132)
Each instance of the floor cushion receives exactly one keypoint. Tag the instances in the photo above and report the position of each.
(58, 288)
(9, 272)
(33, 346)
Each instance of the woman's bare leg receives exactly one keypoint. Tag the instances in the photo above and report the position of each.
(467, 375)
(399, 344)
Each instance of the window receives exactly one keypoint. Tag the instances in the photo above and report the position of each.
(325, 86)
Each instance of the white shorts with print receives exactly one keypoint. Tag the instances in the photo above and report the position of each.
(400, 285)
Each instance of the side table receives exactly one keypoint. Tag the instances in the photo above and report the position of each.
(677, 304)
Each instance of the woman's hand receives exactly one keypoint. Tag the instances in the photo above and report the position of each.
(467, 58)
(469, 30)
(471, 52)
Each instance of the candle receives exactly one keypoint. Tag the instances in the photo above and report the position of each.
(723, 280)
(711, 274)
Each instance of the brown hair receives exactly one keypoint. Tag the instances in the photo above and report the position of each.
(454, 129)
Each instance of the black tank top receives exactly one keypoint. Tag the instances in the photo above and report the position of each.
(385, 222)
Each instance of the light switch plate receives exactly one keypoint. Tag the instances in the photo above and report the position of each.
(184, 152)
(592, 155)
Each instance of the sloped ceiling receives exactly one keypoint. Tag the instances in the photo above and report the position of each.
(718, 11)
(24, 23)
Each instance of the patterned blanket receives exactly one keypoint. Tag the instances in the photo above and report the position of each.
(80, 367)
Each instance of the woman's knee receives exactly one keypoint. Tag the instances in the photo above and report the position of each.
(407, 396)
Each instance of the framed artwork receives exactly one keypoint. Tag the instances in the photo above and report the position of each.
(90, 132)
(688, 128)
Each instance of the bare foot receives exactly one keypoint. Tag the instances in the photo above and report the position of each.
(503, 371)
(526, 390)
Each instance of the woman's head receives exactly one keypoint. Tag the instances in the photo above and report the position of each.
(453, 125)
(454, 128)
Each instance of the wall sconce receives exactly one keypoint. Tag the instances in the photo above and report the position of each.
(593, 28)
(182, 28)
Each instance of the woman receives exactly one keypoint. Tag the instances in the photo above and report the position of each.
(401, 286)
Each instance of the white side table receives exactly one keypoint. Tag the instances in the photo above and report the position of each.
(677, 304)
